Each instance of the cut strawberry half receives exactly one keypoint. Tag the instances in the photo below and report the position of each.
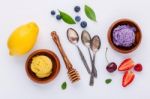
(127, 78)
(126, 65)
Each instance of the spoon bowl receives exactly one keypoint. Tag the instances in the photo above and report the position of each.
(72, 36)
(86, 38)
(95, 43)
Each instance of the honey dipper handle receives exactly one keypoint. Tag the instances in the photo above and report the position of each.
(57, 42)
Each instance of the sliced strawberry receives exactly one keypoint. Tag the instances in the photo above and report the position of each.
(127, 78)
(126, 64)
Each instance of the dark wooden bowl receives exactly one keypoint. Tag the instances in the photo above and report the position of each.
(55, 69)
(138, 36)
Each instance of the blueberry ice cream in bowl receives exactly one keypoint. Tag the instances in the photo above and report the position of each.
(124, 36)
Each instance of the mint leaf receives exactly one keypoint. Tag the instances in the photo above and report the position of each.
(67, 18)
(64, 86)
(90, 13)
(107, 81)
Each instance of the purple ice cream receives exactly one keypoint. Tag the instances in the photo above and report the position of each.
(124, 35)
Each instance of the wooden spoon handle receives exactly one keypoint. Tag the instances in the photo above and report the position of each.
(57, 42)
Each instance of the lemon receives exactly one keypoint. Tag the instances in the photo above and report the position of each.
(23, 39)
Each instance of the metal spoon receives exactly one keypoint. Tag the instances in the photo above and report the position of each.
(73, 37)
(95, 46)
(86, 40)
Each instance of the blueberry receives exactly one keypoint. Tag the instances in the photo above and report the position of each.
(58, 17)
(83, 24)
(78, 18)
(53, 12)
(76, 8)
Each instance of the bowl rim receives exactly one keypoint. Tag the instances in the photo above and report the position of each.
(110, 38)
(51, 78)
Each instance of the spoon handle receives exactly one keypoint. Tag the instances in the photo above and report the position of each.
(91, 79)
(94, 68)
(92, 64)
(90, 56)
(57, 42)
(83, 60)
(94, 71)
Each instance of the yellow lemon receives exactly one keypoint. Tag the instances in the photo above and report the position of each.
(23, 39)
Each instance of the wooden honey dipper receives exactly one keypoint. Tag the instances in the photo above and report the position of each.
(72, 73)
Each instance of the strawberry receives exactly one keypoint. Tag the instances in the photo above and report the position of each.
(126, 64)
(127, 78)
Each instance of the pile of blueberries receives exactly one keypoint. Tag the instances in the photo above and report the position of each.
(77, 9)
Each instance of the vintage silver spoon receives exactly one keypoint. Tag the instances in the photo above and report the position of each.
(86, 40)
(95, 46)
(73, 37)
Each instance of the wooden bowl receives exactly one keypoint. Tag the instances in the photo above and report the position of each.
(55, 69)
(138, 36)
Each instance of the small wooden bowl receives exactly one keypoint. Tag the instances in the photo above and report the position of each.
(55, 69)
(138, 36)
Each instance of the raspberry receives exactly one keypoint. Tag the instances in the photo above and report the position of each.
(138, 67)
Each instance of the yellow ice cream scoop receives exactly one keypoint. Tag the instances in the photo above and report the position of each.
(42, 66)
(42, 75)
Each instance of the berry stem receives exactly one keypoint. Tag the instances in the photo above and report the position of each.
(106, 55)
